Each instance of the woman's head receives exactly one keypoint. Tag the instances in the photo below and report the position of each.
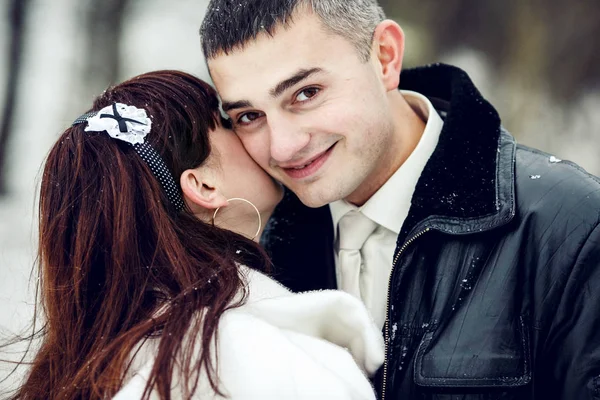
(229, 172)
(195, 142)
(114, 253)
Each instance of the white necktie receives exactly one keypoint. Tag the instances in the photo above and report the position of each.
(353, 230)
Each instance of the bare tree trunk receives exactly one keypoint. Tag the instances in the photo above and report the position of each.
(104, 25)
(17, 16)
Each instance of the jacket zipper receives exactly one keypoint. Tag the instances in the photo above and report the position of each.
(387, 308)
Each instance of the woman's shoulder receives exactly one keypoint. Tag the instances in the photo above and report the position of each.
(287, 345)
(260, 356)
(330, 315)
(261, 286)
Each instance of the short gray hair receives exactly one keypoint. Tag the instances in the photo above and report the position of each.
(230, 24)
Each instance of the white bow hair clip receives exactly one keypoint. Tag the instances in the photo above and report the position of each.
(120, 121)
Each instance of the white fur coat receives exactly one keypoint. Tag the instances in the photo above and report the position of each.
(280, 345)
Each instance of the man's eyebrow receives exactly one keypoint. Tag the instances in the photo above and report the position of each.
(291, 81)
(276, 91)
(227, 105)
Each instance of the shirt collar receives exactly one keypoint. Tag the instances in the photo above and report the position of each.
(389, 206)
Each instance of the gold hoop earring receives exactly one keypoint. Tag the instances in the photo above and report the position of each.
(253, 206)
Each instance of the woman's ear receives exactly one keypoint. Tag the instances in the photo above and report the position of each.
(200, 190)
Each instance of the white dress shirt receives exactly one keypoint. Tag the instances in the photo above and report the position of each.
(388, 208)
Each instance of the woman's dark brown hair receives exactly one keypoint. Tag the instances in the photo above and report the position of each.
(118, 264)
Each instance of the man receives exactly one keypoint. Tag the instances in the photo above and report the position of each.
(478, 257)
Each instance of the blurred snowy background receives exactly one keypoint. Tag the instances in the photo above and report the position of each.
(537, 61)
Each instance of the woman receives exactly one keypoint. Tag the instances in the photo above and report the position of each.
(149, 214)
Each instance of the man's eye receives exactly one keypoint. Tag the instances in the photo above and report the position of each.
(248, 118)
(307, 94)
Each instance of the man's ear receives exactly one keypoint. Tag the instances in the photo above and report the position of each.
(388, 45)
(200, 190)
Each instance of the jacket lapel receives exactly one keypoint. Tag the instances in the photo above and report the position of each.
(467, 184)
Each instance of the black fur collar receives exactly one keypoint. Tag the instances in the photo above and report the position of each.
(461, 182)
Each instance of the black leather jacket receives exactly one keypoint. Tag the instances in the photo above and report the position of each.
(495, 288)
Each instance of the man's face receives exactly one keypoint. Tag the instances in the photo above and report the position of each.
(309, 111)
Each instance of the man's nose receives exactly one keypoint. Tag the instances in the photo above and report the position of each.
(287, 138)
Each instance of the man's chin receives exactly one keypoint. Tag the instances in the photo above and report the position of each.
(313, 200)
